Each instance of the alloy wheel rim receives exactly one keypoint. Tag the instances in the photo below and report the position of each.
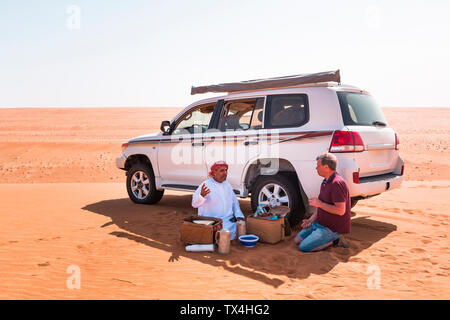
(273, 195)
(140, 185)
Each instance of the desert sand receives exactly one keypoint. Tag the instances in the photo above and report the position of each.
(64, 205)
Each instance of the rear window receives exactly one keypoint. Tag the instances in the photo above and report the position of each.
(287, 110)
(360, 109)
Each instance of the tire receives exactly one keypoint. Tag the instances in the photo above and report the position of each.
(141, 185)
(353, 202)
(286, 188)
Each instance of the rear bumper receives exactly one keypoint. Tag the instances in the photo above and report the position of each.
(120, 162)
(372, 185)
(375, 185)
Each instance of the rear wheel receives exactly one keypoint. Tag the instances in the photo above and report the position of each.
(272, 191)
(141, 185)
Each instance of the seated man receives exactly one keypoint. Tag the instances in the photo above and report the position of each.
(215, 198)
(332, 218)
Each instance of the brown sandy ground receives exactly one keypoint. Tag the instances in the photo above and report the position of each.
(127, 251)
(64, 203)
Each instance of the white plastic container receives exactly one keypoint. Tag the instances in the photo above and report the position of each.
(200, 247)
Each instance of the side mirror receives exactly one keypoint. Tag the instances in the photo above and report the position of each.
(165, 126)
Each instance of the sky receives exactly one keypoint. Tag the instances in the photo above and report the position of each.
(96, 53)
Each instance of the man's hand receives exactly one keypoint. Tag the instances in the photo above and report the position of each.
(314, 202)
(306, 224)
(204, 191)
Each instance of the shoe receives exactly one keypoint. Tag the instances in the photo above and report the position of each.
(341, 242)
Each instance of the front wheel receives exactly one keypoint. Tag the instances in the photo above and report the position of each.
(141, 185)
(273, 191)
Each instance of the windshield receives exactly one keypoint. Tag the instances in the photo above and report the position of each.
(360, 109)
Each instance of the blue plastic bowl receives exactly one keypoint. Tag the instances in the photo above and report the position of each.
(249, 240)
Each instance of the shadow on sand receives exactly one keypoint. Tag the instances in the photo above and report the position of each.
(158, 226)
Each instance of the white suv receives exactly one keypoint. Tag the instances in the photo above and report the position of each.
(270, 139)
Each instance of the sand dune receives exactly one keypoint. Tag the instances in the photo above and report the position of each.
(65, 204)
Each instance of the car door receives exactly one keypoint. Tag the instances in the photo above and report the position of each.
(235, 136)
(181, 153)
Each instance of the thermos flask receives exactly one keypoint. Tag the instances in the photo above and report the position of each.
(223, 241)
(240, 228)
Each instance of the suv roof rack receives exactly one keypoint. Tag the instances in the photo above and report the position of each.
(310, 79)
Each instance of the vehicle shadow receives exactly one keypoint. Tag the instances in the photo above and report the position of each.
(158, 226)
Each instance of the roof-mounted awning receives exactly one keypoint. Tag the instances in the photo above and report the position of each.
(271, 83)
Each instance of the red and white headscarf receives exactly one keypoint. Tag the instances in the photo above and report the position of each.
(217, 165)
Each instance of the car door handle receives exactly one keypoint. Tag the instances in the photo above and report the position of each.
(198, 144)
(246, 143)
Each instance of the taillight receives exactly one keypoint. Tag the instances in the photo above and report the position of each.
(346, 141)
(355, 177)
(403, 170)
(124, 146)
(397, 142)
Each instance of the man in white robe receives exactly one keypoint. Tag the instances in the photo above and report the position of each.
(215, 198)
